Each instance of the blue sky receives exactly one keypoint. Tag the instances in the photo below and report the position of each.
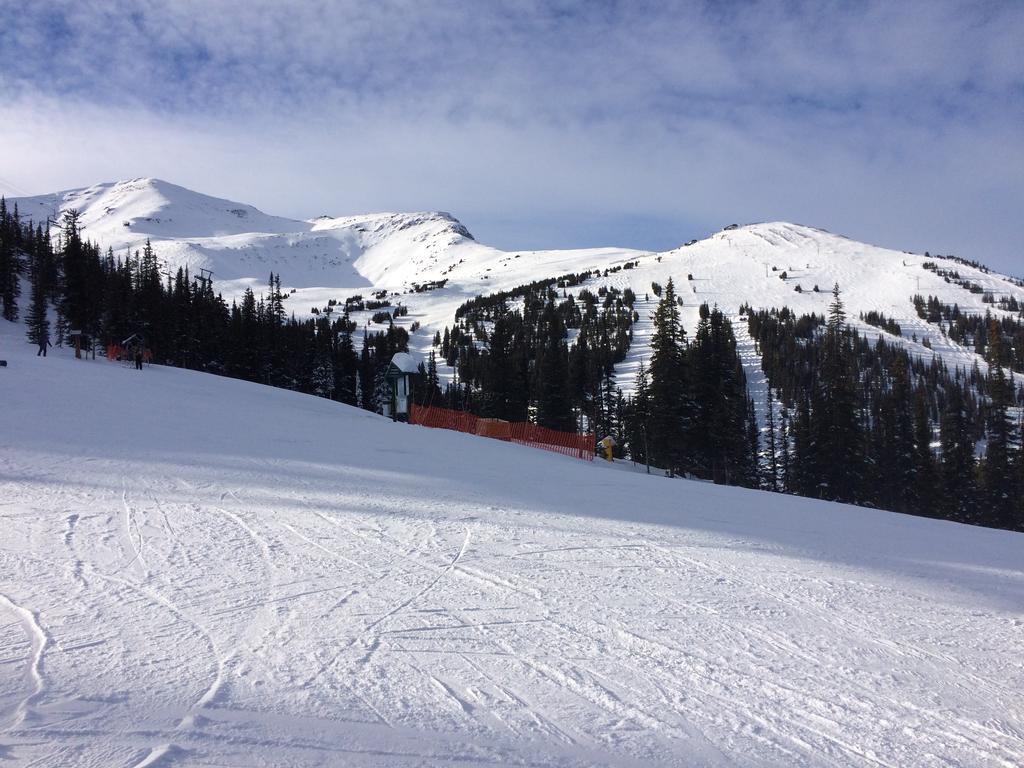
(541, 124)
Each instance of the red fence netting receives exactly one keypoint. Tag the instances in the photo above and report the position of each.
(117, 352)
(580, 446)
(442, 418)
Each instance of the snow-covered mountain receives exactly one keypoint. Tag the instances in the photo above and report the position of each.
(331, 258)
(240, 243)
(196, 570)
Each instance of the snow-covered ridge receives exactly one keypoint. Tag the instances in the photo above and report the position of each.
(769, 264)
(119, 213)
(240, 244)
(383, 225)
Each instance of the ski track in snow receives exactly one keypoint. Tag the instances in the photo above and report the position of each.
(362, 593)
(33, 670)
(131, 530)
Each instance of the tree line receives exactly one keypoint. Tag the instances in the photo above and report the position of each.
(846, 418)
(690, 414)
(866, 423)
(541, 354)
(110, 298)
(974, 330)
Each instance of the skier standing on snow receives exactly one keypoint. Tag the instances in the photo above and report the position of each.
(44, 342)
(138, 359)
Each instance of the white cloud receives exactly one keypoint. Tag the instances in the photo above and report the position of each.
(896, 123)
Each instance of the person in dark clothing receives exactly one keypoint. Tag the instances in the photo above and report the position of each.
(138, 360)
(43, 344)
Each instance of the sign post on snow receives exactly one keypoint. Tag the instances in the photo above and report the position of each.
(77, 336)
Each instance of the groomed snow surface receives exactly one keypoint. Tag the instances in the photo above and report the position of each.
(196, 571)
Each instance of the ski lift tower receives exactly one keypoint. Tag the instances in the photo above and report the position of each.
(205, 278)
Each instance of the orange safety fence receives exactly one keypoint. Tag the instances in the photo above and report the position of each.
(442, 418)
(116, 352)
(568, 443)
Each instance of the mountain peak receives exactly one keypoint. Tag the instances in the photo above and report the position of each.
(437, 222)
(121, 213)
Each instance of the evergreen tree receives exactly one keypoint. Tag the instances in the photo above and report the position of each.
(604, 412)
(554, 407)
(323, 379)
(722, 440)
(272, 364)
(925, 473)
(957, 459)
(620, 422)
(902, 470)
(446, 348)
(837, 436)
(118, 300)
(771, 446)
(640, 415)
(784, 448)
(11, 237)
(430, 392)
(82, 283)
(505, 394)
(668, 385)
(747, 472)
(37, 323)
(1017, 486)
(381, 389)
(804, 475)
(999, 428)
(323, 376)
(149, 304)
(346, 362)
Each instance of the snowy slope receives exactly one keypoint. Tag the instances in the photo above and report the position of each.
(197, 571)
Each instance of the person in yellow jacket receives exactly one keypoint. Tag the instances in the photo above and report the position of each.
(607, 444)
